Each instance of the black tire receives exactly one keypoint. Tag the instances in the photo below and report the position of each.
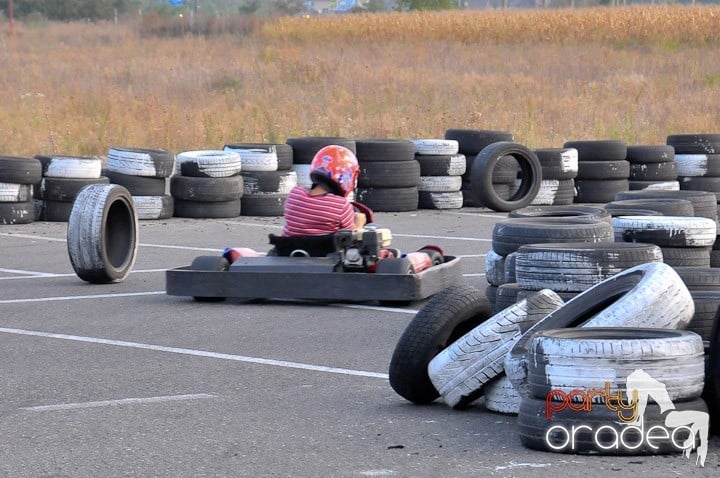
(57, 211)
(17, 212)
(686, 256)
(704, 203)
(20, 170)
(447, 316)
(665, 206)
(698, 164)
(65, 189)
(509, 234)
(506, 171)
(472, 141)
(206, 210)
(102, 234)
(154, 207)
(265, 205)
(700, 183)
(654, 171)
(304, 148)
(139, 185)
(442, 165)
(590, 213)
(700, 278)
(209, 263)
(617, 212)
(534, 426)
(695, 143)
(13, 192)
(389, 174)
(530, 176)
(711, 393)
(501, 190)
(506, 296)
(206, 189)
(707, 303)
(640, 185)
(603, 170)
(599, 150)
(380, 150)
(655, 154)
(389, 199)
(564, 192)
(284, 152)
(599, 191)
(432, 200)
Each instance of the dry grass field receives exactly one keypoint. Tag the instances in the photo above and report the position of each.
(636, 74)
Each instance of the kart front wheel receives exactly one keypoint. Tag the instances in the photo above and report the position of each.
(209, 263)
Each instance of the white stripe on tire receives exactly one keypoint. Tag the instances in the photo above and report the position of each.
(257, 159)
(71, 167)
(440, 184)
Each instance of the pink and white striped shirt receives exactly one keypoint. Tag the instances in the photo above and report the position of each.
(307, 215)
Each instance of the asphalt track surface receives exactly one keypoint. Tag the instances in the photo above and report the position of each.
(123, 380)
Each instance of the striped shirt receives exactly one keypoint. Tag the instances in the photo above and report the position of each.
(307, 215)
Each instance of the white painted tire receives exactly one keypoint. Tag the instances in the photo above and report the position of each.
(586, 359)
(436, 146)
(501, 396)
(694, 165)
(460, 372)
(156, 163)
(546, 194)
(303, 175)
(102, 233)
(440, 184)
(494, 268)
(208, 163)
(666, 231)
(72, 167)
(153, 207)
(256, 159)
(11, 192)
(433, 200)
(648, 295)
(664, 186)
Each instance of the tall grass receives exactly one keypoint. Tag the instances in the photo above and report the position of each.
(636, 74)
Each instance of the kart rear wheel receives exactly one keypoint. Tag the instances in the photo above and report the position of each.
(209, 263)
(398, 265)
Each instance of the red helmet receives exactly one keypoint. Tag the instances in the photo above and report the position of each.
(335, 167)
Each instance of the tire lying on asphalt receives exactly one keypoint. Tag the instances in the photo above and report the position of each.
(102, 233)
(565, 360)
(460, 371)
(667, 206)
(17, 212)
(529, 174)
(649, 295)
(447, 316)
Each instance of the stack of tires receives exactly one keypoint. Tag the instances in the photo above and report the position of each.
(603, 170)
(304, 149)
(441, 170)
(685, 240)
(209, 184)
(267, 177)
(389, 175)
(652, 167)
(559, 170)
(538, 225)
(62, 179)
(470, 143)
(145, 174)
(17, 176)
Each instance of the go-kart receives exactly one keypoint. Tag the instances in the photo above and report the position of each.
(349, 265)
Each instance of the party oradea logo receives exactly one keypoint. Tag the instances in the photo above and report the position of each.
(679, 431)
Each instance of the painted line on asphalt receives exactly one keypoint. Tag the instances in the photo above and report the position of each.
(197, 353)
(45, 275)
(122, 401)
(80, 297)
(161, 246)
(480, 274)
(481, 214)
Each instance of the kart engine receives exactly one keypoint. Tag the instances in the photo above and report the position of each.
(359, 249)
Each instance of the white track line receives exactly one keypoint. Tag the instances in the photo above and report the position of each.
(80, 297)
(122, 401)
(197, 353)
(45, 275)
(480, 214)
(161, 246)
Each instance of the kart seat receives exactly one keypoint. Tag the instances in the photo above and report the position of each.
(315, 246)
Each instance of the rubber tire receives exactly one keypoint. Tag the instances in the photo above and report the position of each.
(698, 164)
(530, 175)
(592, 213)
(65, 189)
(206, 210)
(558, 163)
(434, 200)
(700, 278)
(304, 148)
(20, 170)
(666, 231)
(389, 174)
(599, 191)
(209, 164)
(653, 185)
(447, 316)
(157, 163)
(695, 143)
(686, 256)
(603, 170)
(381, 150)
(389, 199)
(707, 303)
(667, 206)
(654, 154)
(704, 203)
(654, 171)
(442, 165)
(283, 151)
(509, 234)
(140, 185)
(206, 189)
(17, 212)
(57, 211)
(102, 234)
(209, 263)
(599, 150)
(711, 393)
(472, 141)
(154, 207)
(272, 182)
